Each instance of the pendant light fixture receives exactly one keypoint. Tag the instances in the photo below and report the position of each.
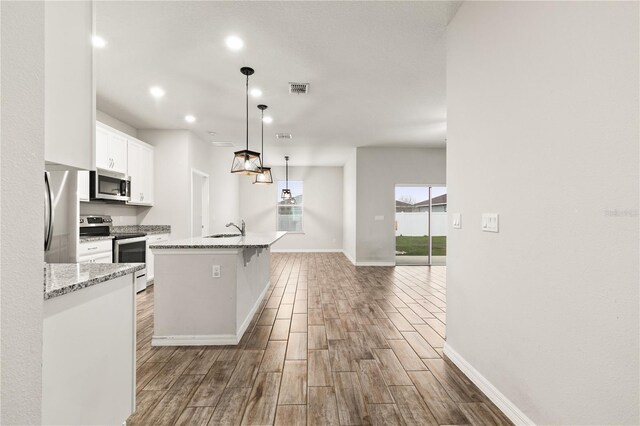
(264, 176)
(246, 162)
(286, 192)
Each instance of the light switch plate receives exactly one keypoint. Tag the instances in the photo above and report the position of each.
(457, 220)
(490, 222)
(378, 218)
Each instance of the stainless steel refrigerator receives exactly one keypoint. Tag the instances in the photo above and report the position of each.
(61, 212)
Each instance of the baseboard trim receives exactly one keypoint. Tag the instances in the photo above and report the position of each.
(195, 340)
(498, 398)
(375, 263)
(245, 324)
(306, 250)
(351, 259)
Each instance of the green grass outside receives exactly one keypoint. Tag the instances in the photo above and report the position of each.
(419, 246)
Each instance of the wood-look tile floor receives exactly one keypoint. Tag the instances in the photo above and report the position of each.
(331, 344)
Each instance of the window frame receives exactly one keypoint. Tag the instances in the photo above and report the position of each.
(278, 199)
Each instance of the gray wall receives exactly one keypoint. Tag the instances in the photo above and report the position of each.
(379, 170)
(543, 129)
(21, 186)
(322, 218)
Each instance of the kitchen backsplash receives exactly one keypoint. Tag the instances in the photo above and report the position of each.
(121, 215)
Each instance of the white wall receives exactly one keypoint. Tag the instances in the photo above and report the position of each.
(176, 153)
(172, 202)
(21, 186)
(379, 170)
(224, 191)
(349, 207)
(109, 120)
(543, 111)
(322, 217)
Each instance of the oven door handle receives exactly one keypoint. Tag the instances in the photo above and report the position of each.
(130, 240)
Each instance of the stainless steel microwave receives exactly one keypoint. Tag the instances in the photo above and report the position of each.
(109, 186)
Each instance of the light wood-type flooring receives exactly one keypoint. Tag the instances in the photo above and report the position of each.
(331, 344)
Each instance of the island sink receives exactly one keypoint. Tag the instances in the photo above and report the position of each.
(223, 235)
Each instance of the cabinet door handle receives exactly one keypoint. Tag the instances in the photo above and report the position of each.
(92, 248)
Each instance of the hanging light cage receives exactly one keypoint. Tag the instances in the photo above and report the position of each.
(286, 192)
(246, 162)
(264, 177)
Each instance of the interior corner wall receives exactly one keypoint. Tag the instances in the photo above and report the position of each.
(543, 129)
(322, 217)
(378, 171)
(177, 152)
(349, 208)
(21, 187)
(171, 196)
(224, 191)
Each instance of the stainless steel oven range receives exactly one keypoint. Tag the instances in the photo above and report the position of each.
(127, 247)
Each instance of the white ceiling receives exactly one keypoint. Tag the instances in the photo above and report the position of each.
(376, 70)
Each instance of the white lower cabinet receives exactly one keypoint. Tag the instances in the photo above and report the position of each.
(153, 239)
(95, 252)
(88, 355)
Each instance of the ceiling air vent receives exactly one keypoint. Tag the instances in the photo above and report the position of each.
(284, 136)
(298, 88)
(222, 144)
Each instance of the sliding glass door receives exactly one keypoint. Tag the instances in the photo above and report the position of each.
(421, 225)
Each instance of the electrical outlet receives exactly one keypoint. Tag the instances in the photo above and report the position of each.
(378, 218)
(216, 271)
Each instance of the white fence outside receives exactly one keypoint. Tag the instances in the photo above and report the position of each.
(416, 224)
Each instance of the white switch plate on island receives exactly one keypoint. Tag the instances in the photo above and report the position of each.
(490, 222)
(215, 272)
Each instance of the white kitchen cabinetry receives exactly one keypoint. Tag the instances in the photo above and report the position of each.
(140, 169)
(83, 186)
(69, 89)
(153, 239)
(111, 149)
(88, 355)
(95, 251)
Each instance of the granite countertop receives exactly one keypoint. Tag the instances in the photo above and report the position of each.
(64, 278)
(85, 239)
(148, 229)
(251, 240)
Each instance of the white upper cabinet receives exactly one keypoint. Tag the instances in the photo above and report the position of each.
(83, 185)
(69, 110)
(140, 169)
(111, 149)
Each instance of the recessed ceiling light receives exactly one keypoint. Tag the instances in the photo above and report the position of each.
(234, 43)
(157, 92)
(267, 119)
(212, 133)
(256, 93)
(189, 118)
(98, 41)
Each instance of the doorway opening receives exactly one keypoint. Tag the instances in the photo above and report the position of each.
(199, 203)
(421, 224)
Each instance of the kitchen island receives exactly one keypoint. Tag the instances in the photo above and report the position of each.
(208, 289)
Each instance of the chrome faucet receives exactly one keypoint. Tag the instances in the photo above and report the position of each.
(242, 232)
